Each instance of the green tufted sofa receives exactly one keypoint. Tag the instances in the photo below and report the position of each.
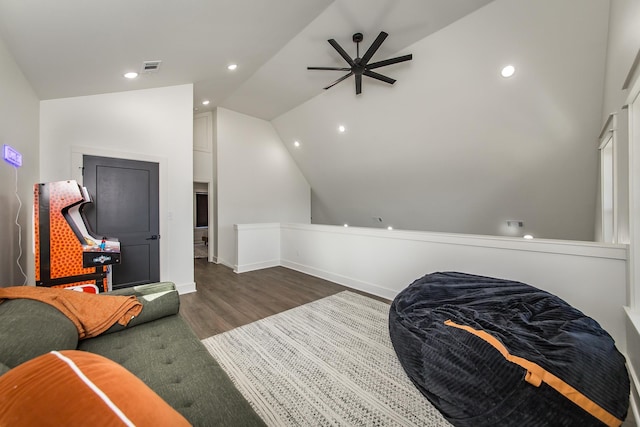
(157, 346)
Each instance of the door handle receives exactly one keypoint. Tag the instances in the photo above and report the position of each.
(154, 237)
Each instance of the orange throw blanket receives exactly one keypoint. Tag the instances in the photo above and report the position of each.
(92, 314)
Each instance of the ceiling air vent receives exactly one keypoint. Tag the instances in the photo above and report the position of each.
(151, 66)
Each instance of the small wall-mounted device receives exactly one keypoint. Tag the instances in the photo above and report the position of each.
(515, 223)
(12, 156)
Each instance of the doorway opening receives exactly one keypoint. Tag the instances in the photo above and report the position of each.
(201, 220)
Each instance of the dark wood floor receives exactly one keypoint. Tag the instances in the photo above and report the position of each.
(226, 300)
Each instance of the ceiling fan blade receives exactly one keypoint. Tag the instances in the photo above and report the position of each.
(341, 51)
(346, 76)
(358, 84)
(329, 68)
(373, 48)
(389, 61)
(378, 77)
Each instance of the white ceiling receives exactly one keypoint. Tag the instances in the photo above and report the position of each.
(72, 48)
(469, 148)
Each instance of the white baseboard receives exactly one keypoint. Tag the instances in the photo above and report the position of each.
(186, 288)
(256, 266)
(634, 402)
(341, 280)
(632, 353)
(225, 263)
(635, 413)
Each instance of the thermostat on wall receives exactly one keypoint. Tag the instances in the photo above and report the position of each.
(12, 156)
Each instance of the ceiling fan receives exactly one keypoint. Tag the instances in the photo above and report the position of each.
(360, 66)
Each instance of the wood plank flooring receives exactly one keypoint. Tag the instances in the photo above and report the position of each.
(226, 300)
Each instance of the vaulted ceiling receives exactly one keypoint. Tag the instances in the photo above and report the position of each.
(452, 146)
(455, 147)
(74, 47)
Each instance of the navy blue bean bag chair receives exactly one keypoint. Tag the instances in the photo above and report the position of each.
(492, 352)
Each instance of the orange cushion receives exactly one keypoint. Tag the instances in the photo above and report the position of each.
(80, 388)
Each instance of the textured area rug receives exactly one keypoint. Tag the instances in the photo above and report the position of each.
(326, 363)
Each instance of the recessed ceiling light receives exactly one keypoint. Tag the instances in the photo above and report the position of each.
(131, 75)
(205, 102)
(528, 237)
(389, 228)
(508, 71)
(341, 129)
(296, 143)
(232, 67)
(346, 225)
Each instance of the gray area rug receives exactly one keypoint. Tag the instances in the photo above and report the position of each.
(329, 362)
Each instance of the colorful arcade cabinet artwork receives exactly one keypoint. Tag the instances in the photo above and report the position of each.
(67, 254)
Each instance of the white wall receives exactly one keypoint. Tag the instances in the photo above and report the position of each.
(19, 117)
(257, 180)
(258, 246)
(622, 50)
(591, 277)
(203, 164)
(203, 147)
(454, 147)
(151, 125)
(622, 47)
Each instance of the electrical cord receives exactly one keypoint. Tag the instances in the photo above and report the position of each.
(26, 278)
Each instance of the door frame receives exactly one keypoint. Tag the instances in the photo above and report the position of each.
(633, 311)
(632, 104)
(77, 162)
(608, 138)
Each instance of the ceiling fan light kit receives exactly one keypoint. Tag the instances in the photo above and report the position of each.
(359, 66)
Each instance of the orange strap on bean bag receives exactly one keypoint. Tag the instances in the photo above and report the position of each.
(536, 375)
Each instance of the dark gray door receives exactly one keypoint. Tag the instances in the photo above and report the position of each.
(126, 206)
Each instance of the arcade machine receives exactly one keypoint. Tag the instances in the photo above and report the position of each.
(67, 253)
